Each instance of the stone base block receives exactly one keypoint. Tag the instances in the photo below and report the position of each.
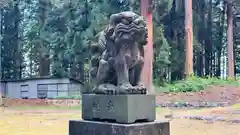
(103, 128)
(118, 108)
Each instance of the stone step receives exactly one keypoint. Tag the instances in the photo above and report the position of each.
(82, 127)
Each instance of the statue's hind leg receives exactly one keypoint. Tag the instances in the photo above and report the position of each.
(138, 70)
(102, 71)
(103, 86)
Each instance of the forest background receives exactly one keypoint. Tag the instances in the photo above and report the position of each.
(52, 37)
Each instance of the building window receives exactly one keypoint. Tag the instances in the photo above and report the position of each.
(52, 91)
(47, 91)
(57, 90)
(24, 91)
(62, 90)
(42, 90)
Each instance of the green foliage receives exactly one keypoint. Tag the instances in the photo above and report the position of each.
(162, 49)
(161, 55)
(194, 84)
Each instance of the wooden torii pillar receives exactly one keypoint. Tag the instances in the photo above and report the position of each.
(146, 11)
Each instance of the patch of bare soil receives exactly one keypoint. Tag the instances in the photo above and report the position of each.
(195, 127)
(25, 102)
(226, 113)
(217, 94)
(41, 102)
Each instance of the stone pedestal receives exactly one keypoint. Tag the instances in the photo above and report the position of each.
(103, 128)
(118, 115)
(118, 108)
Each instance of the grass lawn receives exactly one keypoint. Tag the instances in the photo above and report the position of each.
(54, 120)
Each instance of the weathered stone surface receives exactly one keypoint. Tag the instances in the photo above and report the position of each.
(117, 60)
(119, 108)
(102, 128)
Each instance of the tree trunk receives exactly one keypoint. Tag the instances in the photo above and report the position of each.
(179, 4)
(1, 99)
(189, 38)
(44, 62)
(1, 33)
(219, 48)
(44, 65)
(208, 42)
(200, 64)
(230, 40)
(201, 38)
(17, 53)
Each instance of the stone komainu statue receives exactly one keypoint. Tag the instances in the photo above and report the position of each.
(117, 59)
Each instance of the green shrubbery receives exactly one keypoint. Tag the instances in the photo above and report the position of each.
(194, 84)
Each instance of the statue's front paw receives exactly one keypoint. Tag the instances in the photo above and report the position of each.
(141, 89)
(129, 89)
(105, 89)
(125, 88)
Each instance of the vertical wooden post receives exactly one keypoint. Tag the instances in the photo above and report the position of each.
(230, 40)
(1, 100)
(189, 38)
(146, 11)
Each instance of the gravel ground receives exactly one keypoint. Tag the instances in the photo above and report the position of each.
(49, 122)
